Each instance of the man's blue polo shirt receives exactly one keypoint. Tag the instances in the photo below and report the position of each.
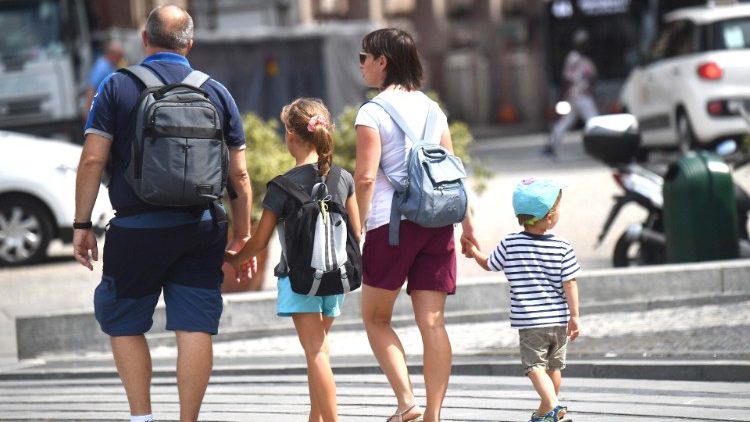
(113, 117)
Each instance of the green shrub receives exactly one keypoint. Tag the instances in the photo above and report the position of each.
(266, 154)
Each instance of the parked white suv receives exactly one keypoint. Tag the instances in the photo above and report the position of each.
(697, 73)
(37, 196)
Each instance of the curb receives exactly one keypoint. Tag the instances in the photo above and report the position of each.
(631, 289)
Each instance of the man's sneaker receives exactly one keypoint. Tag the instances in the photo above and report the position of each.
(558, 414)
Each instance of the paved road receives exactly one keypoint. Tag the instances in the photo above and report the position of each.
(365, 398)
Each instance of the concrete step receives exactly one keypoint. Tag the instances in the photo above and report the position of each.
(477, 297)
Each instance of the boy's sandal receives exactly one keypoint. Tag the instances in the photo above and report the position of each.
(400, 415)
(560, 414)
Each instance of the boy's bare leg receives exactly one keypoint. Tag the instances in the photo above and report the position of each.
(133, 362)
(545, 388)
(556, 377)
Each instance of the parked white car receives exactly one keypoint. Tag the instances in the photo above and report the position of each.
(37, 190)
(697, 73)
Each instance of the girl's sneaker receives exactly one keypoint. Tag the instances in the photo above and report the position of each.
(558, 414)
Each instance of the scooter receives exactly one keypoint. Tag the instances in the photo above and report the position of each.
(614, 139)
(641, 243)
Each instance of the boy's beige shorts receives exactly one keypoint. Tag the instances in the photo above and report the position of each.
(543, 348)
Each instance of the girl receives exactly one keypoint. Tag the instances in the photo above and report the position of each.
(308, 138)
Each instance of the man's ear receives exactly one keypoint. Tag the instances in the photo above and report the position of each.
(144, 39)
(190, 45)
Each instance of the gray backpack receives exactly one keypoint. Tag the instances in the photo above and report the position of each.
(178, 156)
(433, 193)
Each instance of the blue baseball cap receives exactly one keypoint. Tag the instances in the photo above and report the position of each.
(535, 197)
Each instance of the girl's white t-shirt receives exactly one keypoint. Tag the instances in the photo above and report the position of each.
(413, 107)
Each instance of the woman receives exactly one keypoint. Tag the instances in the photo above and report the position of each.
(426, 256)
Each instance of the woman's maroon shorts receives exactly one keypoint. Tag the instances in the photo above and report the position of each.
(426, 256)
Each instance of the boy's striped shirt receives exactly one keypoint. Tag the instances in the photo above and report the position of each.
(536, 267)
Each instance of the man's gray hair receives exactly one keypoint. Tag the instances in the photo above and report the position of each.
(169, 35)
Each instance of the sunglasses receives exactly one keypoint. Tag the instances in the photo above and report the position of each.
(362, 58)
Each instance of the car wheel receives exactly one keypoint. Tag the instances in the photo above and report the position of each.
(25, 231)
(685, 135)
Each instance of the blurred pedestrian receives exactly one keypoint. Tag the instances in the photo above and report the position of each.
(105, 65)
(578, 78)
(389, 62)
(541, 269)
(177, 251)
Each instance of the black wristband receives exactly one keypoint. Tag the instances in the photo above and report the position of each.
(86, 225)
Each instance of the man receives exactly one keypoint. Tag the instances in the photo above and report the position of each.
(103, 67)
(171, 250)
(579, 75)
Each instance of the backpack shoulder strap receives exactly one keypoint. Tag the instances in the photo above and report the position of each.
(332, 182)
(428, 132)
(294, 190)
(400, 122)
(143, 74)
(431, 124)
(196, 78)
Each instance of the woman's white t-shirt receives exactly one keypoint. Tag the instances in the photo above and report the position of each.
(413, 107)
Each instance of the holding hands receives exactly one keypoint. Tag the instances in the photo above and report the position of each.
(244, 269)
(468, 241)
(469, 246)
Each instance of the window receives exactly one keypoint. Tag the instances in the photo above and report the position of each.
(731, 34)
(682, 41)
(659, 48)
(676, 39)
(31, 30)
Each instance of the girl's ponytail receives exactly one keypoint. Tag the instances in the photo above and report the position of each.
(323, 144)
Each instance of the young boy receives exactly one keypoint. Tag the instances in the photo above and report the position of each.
(541, 269)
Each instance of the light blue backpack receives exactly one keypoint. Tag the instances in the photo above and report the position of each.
(433, 193)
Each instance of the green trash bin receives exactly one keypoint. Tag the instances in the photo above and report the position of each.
(700, 214)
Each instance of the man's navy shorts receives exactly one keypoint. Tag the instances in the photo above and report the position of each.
(139, 263)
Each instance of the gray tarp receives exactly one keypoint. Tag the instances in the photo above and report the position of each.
(266, 69)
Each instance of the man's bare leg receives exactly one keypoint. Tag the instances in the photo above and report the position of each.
(194, 363)
(133, 362)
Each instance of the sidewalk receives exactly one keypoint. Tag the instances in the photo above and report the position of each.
(649, 352)
(479, 299)
(368, 398)
(263, 378)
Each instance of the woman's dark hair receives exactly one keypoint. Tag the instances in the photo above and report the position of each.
(398, 47)
(298, 118)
